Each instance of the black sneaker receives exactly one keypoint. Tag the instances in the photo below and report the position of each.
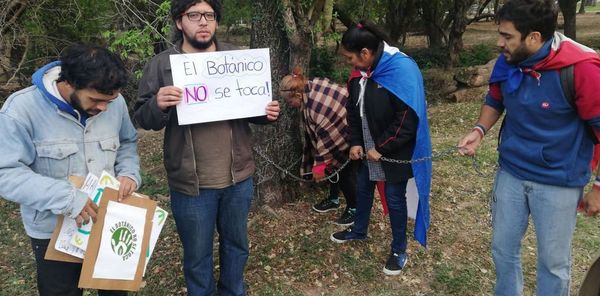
(395, 263)
(346, 235)
(347, 218)
(326, 205)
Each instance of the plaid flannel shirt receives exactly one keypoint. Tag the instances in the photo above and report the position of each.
(326, 131)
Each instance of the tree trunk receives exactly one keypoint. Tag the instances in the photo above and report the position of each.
(279, 141)
(433, 17)
(399, 17)
(582, 7)
(569, 9)
(458, 28)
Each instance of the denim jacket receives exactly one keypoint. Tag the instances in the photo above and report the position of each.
(44, 143)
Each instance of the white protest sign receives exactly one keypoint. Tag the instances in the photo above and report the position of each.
(69, 229)
(222, 85)
(94, 187)
(121, 242)
(158, 221)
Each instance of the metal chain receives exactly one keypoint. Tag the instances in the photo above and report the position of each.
(335, 174)
(442, 154)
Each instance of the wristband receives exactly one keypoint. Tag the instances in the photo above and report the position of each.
(596, 186)
(479, 130)
(483, 129)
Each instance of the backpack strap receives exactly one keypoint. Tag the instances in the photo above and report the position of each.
(568, 87)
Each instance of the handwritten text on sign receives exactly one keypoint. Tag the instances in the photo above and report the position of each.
(222, 85)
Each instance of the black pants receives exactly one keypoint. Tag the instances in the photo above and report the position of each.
(55, 278)
(347, 183)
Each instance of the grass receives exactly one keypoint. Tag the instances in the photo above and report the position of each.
(291, 253)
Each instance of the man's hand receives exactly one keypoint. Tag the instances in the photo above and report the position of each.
(272, 110)
(591, 202)
(356, 152)
(168, 96)
(469, 143)
(373, 155)
(89, 211)
(126, 188)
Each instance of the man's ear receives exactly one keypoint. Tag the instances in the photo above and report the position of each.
(178, 24)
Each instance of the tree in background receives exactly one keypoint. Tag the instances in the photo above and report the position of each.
(280, 142)
(569, 11)
(34, 32)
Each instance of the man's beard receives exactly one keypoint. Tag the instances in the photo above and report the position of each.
(520, 54)
(199, 44)
(76, 103)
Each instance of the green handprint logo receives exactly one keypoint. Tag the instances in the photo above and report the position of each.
(123, 240)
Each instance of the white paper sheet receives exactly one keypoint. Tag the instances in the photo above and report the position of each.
(222, 85)
(121, 242)
(158, 221)
(94, 188)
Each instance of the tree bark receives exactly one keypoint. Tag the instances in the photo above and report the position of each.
(569, 10)
(582, 7)
(433, 19)
(458, 28)
(279, 141)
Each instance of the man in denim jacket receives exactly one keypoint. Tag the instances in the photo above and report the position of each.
(71, 122)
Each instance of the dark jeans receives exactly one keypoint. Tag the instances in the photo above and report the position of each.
(395, 196)
(347, 183)
(196, 218)
(55, 278)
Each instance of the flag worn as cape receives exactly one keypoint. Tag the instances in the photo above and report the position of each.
(400, 75)
(563, 52)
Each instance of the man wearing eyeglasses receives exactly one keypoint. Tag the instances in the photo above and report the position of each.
(209, 165)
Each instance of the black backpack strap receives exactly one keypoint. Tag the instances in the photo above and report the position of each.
(568, 87)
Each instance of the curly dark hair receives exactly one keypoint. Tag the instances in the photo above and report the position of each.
(530, 16)
(91, 66)
(178, 7)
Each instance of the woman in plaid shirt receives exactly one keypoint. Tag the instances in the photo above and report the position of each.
(326, 148)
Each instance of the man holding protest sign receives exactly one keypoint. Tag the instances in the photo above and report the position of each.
(71, 122)
(209, 165)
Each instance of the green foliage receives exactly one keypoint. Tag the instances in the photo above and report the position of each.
(236, 12)
(478, 55)
(326, 63)
(139, 43)
(429, 58)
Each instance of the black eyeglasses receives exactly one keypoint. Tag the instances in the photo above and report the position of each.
(196, 16)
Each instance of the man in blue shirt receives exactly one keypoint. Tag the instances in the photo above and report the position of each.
(545, 149)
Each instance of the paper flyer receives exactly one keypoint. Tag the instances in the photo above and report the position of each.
(94, 190)
(121, 242)
(158, 221)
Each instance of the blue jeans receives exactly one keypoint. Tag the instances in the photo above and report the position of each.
(553, 211)
(395, 196)
(196, 218)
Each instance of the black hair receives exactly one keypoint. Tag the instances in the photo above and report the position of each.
(178, 7)
(364, 35)
(530, 16)
(95, 67)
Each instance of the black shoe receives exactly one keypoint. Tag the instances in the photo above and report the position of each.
(326, 205)
(346, 235)
(395, 263)
(347, 218)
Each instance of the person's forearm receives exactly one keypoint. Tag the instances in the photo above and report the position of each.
(487, 118)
